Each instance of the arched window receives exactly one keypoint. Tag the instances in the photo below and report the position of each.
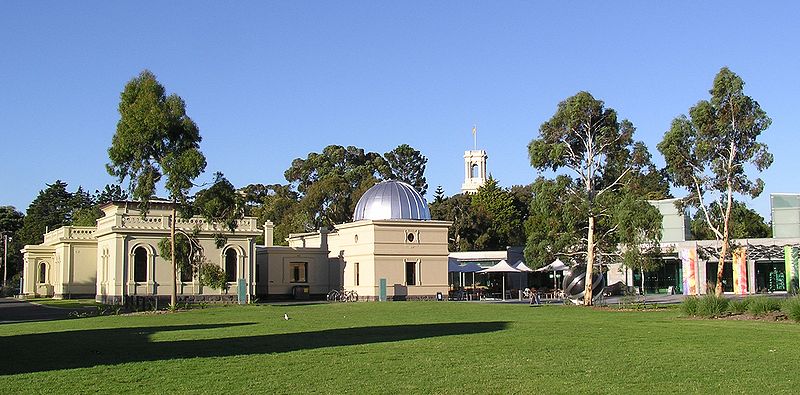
(140, 265)
(474, 170)
(230, 265)
(42, 272)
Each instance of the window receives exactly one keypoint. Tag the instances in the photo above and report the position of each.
(410, 237)
(474, 170)
(186, 274)
(140, 265)
(42, 272)
(411, 273)
(230, 265)
(297, 272)
(358, 273)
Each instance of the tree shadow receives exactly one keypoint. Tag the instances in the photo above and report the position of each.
(86, 348)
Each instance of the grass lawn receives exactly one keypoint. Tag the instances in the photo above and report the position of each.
(65, 303)
(400, 347)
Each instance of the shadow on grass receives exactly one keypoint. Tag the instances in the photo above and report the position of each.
(79, 349)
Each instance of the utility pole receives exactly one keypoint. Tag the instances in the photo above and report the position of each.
(5, 259)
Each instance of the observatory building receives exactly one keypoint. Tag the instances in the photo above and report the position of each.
(391, 251)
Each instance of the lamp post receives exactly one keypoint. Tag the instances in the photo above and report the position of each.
(5, 258)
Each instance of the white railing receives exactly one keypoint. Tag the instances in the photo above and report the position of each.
(162, 222)
(70, 233)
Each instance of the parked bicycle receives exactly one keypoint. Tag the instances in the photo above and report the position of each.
(342, 295)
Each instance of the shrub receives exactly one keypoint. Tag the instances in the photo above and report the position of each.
(689, 306)
(761, 305)
(711, 305)
(791, 307)
(739, 306)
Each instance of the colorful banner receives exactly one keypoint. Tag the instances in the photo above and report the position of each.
(740, 271)
(689, 262)
(792, 270)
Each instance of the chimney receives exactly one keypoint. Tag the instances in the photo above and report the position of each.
(323, 238)
(269, 233)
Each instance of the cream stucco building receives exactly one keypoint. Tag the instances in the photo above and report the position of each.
(391, 250)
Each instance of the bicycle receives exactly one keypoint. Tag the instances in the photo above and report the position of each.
(350, 296)
(334, 295)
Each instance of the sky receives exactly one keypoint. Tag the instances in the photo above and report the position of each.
(271, 81)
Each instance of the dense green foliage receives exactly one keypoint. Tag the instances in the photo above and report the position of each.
(408, 165)
(710, 152)
(744, 223)
(491, 219)
(605, 168)
(791, 307)
(761, 305)
(330, 183)
(325, 187)
(366, 348)
(711, 306)
(155, 138)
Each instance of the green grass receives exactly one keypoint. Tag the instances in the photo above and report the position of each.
(65, 303)
(400, 347)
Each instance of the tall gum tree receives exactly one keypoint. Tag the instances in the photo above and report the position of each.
(598, 155)
(709, 153)
(155, 138)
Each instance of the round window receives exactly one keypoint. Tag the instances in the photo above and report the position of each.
(355, 239)
(410, 237)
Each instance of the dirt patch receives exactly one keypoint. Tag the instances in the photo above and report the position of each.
(771, 316)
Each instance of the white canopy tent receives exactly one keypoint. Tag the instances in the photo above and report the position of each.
(555, 266)
(501, 267)
(454, 266)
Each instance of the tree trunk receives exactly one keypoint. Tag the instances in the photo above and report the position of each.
(725, 235)
(173, 299)
(587, 292)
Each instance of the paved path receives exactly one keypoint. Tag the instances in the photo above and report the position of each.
(14, 310)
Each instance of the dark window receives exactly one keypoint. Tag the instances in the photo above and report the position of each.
(186, 274)
(298, 271)
(140, 265)
(42, 272)
(410, 237)
(358, 274)
(474, 170)
(230, 265)
(411, 273)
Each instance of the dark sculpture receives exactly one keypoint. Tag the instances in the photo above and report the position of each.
(575, 283)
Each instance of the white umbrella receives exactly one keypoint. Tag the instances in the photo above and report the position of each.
(555, 266)
(501, 267)
(522, 267)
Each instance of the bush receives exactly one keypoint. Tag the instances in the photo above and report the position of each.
(791, 307)
(711, 305)
(689, 306)
(761, 305)
(739, 306)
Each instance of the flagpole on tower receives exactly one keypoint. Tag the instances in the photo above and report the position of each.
(475, 136)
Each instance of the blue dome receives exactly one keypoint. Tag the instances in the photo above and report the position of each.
(392, 200)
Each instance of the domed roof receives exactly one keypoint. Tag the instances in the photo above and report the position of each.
(392, 200)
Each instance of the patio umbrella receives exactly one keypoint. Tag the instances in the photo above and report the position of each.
(471, 267)
(501, 267)
(556, 265)
(522, 267)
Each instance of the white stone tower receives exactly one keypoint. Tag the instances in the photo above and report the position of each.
(474, 170)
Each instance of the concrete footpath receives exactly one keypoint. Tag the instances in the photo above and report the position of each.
(15, 310)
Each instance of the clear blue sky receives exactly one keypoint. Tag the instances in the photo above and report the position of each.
(268, 82)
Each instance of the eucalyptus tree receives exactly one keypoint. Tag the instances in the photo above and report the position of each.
(330, 183)
(408, 165)
(710, 152)
(585, 140)
(156, 139)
